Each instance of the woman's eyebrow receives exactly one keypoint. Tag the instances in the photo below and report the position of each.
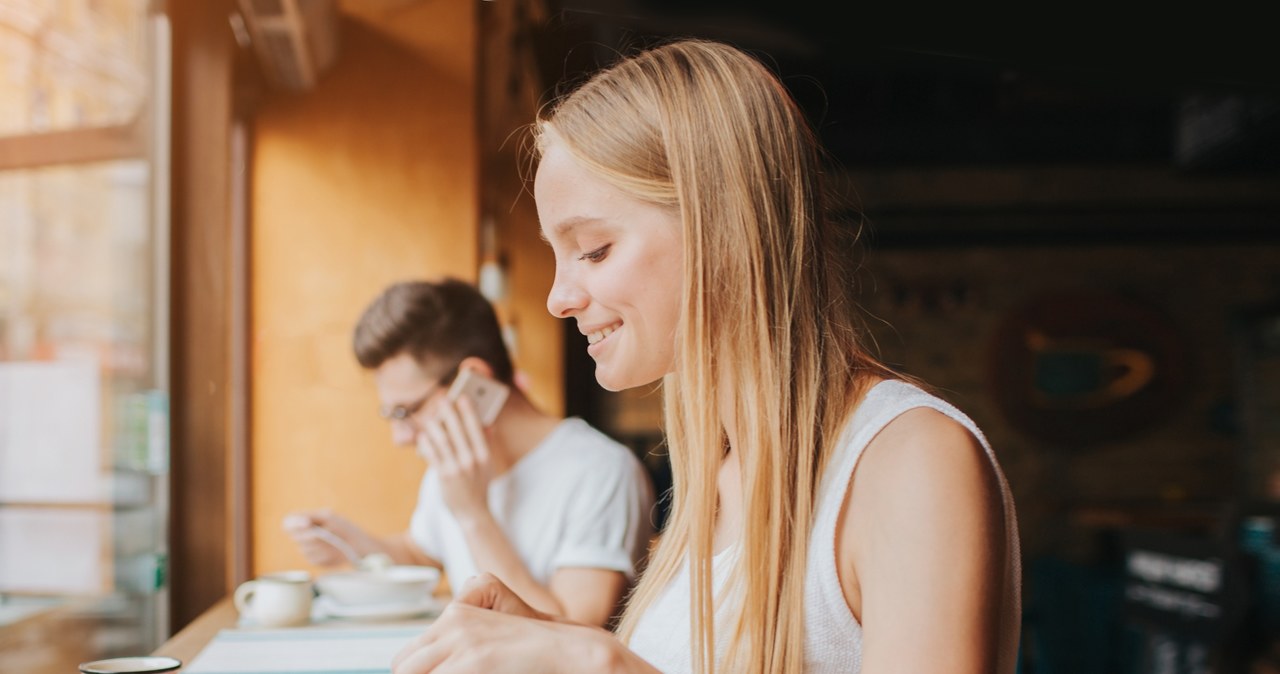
(566, 226)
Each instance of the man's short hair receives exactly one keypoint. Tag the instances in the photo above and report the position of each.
(437, 323)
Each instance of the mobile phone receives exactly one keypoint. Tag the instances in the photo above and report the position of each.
(487, 395)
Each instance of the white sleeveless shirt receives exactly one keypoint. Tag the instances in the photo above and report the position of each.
(833, 638)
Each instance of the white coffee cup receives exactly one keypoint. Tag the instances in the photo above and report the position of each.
(276, 599)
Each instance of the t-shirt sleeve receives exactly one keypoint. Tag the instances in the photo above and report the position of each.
(424, 529)
(609, 519)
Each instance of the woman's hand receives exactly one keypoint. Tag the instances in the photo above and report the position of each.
(455, 444)
(487, 591)
(488, 628)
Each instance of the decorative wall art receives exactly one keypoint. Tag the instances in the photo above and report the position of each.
(1086, 367)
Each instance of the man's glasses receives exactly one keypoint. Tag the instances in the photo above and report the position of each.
(403, 412)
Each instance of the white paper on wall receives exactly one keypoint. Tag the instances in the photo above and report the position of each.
(50, 433)
(55, 551)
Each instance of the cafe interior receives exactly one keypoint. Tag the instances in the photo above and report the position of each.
(1072, 231)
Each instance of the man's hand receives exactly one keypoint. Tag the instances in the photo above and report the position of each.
(456, 445)
(317, 548)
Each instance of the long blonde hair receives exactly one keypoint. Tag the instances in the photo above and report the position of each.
(768, 339)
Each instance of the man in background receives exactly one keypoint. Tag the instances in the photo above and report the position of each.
(553, 507)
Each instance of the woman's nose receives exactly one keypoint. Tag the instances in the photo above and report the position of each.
(566, 297)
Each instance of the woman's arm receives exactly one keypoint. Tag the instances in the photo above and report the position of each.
(487, 628)
(921, 546)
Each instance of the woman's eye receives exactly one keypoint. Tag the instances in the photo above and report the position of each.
(595, 255)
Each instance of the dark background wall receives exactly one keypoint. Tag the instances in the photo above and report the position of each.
(1053, 206)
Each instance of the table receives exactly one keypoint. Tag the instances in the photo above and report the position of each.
(51, 641)
(193, 639)
(187, 643)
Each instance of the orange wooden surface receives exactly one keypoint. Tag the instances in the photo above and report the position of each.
(368, 179)
(187, 643)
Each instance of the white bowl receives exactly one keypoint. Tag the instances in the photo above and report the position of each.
(393, 585)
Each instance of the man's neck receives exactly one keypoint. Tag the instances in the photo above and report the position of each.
(519, 428)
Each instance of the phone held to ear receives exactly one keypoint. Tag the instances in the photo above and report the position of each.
(487, 395)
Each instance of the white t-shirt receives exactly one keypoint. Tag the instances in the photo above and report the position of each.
(579, 499)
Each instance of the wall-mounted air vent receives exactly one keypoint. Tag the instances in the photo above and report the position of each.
(295, 40)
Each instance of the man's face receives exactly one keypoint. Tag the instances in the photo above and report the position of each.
(408, 396)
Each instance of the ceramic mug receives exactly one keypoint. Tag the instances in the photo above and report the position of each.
(277, 599)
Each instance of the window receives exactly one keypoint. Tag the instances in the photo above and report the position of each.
(83, 341)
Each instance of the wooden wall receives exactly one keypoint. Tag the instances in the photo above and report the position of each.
(370, 178)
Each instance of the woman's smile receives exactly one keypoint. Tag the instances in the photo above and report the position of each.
(619, 269)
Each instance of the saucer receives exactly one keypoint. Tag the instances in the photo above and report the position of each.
(130, 665)
(329, 608)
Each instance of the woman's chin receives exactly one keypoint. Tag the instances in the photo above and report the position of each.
(616, 381)
(607, 382)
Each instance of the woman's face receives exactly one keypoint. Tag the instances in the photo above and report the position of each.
(619, 269)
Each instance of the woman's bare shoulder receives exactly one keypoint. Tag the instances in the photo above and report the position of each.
(924, 480)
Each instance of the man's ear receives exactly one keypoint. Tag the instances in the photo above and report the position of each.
(477, 365)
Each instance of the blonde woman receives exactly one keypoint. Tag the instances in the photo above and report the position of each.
(828, 516)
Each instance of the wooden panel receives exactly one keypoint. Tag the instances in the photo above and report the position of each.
(510, 90)
(539, 352)
(73, 146)
(370, 178)
(202, 72)
(415, 25)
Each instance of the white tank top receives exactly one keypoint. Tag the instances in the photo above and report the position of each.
(833, 638)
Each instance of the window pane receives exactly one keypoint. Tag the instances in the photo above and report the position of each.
(71, 64)
(83, 438)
